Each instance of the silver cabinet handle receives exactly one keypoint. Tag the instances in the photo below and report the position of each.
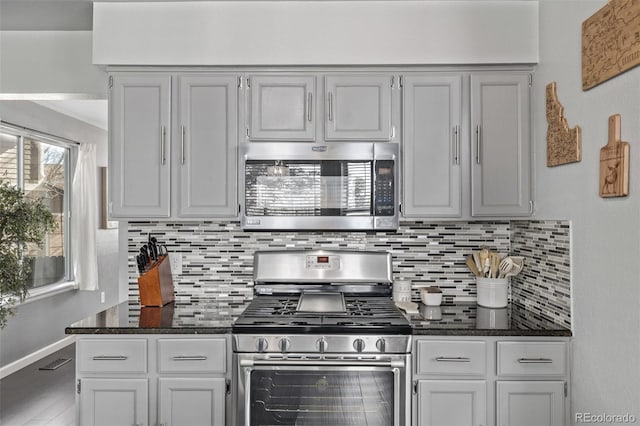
(189, 358)
(182, 145)
(163, 158)
(456, 134)
(535, 360)
(309, 105)
(110, 358)
(330, 96)
(478, 138)
(452, 359)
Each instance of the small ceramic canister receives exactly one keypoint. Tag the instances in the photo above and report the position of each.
(431, 296)
(402, 291)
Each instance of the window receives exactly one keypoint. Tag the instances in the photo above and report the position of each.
(40, 165)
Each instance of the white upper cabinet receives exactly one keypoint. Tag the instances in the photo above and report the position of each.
(358, 107)
(208, 125)
(501, 146)
(281, 107)
(188, 171)
(432, 165)
(450, 172)
(140, 138)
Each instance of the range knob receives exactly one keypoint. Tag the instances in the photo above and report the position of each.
(262, 344)
(358, 345)
(381, 344)
(322, 345)
(284, 344)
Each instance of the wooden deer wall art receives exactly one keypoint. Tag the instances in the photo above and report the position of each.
(614, 163)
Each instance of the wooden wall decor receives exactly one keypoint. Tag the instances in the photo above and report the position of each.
(614, 163)
(610, 42)
(564, 145)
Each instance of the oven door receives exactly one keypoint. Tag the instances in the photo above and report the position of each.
(337, 391)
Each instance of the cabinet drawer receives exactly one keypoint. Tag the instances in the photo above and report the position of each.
(450, 357)
(532, 358)
(112, 355)
(192, 355)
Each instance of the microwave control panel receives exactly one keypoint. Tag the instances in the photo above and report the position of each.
(384, 191)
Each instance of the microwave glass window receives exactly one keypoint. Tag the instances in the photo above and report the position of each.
(308, 188)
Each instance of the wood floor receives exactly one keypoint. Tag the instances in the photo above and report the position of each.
(36, 397)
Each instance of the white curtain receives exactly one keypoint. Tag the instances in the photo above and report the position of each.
(84, 221)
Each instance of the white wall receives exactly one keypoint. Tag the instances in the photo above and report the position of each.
(315, 32)
(605, 232)
(42, 322)
(51, 62)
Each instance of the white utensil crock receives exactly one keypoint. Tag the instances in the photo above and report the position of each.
(492, 292)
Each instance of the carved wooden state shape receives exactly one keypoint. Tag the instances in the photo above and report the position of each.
(614, 163)
(563, 144)
(610, 42)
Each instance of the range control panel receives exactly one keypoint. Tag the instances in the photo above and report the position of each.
(324, 262)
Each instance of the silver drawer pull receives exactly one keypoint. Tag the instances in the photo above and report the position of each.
(110, 358)
(189, 358)
(535, 360)
(452, 359)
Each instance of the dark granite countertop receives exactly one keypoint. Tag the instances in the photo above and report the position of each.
(469, 319)
(210, 316)
(187, 316)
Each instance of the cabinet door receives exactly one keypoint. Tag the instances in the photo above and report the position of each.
(281, 107)
(452, 402)
(206, 154)
(191, 402)
(140, 129)
(358, 107)
(501, 148)
(108, 402)
(431, 129)
(529, 403)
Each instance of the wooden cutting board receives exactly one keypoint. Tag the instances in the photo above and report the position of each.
(614, 163)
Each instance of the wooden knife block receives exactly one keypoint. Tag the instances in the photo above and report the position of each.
(156, 284)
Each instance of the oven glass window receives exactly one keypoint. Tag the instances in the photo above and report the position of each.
(304, 397)
(308, 188)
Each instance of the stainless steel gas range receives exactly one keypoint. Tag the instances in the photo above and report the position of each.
(322, 342)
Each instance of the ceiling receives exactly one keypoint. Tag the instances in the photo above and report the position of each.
(92, 111)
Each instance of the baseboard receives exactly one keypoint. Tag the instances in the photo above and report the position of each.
(35, 356)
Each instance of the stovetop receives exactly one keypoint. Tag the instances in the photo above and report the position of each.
(363, 315)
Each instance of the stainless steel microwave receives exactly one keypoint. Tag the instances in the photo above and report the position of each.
(297, 185)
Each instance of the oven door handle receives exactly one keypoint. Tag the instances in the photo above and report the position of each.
(323, 362)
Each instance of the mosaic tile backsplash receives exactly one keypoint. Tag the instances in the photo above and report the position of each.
(218, 256)
(544, 285)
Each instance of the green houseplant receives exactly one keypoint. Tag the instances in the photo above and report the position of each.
(22, 221)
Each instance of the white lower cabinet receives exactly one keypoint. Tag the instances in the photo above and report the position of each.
(191, 401)
(160, 380)
(108, 402)
(452, 402)
(530, 403)
(487, 381)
